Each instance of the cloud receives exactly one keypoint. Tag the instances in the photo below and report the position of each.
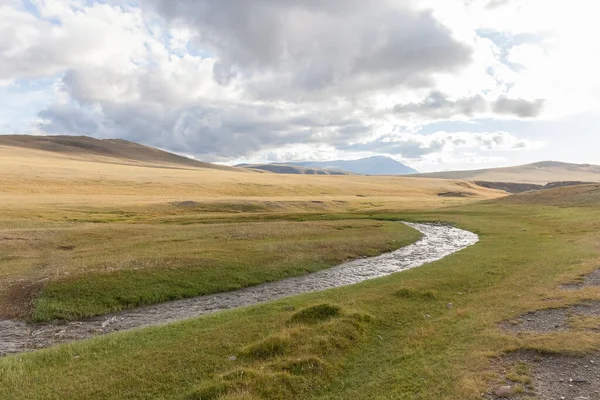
(226, 130)
(438, 106)
(296, 49)
(62, 37)
(519, 107)
(300, 78)
(255, 79)
(416, 147)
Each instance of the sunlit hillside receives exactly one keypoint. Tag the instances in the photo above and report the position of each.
(30, 176)
(538, 173)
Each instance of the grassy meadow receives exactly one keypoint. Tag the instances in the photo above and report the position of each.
(116, 238)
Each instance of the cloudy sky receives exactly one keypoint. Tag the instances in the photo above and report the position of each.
(437, 84)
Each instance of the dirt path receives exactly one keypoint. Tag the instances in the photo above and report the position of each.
(437, 242)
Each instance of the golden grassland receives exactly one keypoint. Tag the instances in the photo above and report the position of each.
(34, 178)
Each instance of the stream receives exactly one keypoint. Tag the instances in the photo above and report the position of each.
(437, 242)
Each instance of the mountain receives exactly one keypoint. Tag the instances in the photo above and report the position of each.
(292, 169)
(540, 173)
(377, 165)
(105, 150)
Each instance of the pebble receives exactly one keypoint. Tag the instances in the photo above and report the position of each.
(232, 358)
(503, 392)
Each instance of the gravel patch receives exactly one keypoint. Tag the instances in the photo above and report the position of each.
(553, 377)
(437, 242)
(589, 280)
(551, 319)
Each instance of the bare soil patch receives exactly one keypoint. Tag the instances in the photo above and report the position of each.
(455, 194)
(18, 299)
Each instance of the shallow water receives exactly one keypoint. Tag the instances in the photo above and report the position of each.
(437, 242)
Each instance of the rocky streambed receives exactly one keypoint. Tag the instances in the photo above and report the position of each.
(437, 242)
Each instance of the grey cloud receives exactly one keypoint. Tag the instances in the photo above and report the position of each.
(65, 118)
(316, 48)
(227, 131)
(519, 107)
(438, 106)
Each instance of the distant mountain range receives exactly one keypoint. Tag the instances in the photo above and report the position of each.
(292, 169)
(539, 173)
(377, 165)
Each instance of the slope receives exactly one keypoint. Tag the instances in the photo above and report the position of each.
(107, 150)
(539, 173)
(63, 178)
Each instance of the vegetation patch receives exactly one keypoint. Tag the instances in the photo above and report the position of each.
(148, 263)
(415, 294)
(288, 363)
(272, 346)
(302, 366)
(315, 314)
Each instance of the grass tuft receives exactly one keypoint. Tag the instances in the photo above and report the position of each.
(269, 347)
(302, 366)
(316, 314)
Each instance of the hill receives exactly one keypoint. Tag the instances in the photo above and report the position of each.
(104, 150)
(539, 173)
(64, 174)
(292, 169)
(377, 165)
(584, 195)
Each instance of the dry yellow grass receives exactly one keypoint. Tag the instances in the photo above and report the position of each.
(33, 178)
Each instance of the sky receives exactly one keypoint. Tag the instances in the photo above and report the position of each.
(435, 84)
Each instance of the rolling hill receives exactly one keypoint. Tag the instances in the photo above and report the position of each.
(83, 172)
(105, 150)
(377, 165)
(540, 173)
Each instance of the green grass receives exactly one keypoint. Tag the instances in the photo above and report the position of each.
(391, 337)
(107, 268)
(312, 315)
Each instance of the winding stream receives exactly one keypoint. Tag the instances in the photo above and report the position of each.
(437, 242)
